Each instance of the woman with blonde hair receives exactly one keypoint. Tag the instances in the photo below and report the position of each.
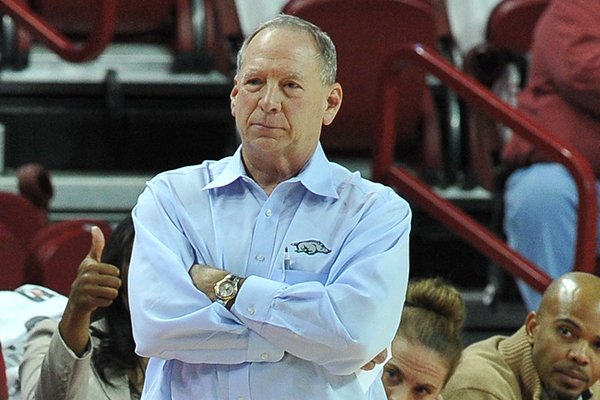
(428, 344)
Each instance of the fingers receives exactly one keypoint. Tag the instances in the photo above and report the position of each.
(102, 275)
(368, 366)
(379, 358)
(97, 244)
(97, 285)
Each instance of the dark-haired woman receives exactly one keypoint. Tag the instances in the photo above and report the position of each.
(80, 359)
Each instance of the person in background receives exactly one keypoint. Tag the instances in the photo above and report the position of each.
(555, 355)
(563, 96)
(428, 344)
(272, 273)
(81, 359)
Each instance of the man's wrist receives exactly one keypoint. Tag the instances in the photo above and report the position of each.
(226, 289)
(228, 304)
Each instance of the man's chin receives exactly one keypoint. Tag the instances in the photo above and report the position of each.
(563, 393)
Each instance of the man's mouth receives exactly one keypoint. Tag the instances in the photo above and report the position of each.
(572, 377)
(263, 126)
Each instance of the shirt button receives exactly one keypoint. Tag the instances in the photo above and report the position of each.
(268, 213)
(240, 398)
(260, 257)
(264, 356)
(251, 310)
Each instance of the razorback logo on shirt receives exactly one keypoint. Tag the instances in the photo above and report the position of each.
(311, 247)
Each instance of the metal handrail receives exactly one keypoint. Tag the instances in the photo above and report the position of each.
(458, 221)
(99, 38)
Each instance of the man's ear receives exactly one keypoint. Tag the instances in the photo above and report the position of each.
(334, 101)
(234, 92)
(532, 323)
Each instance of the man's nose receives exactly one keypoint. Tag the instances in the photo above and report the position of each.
(400, 393)
(579, 353)
(271, 97)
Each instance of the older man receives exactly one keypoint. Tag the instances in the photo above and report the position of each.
(298, 267)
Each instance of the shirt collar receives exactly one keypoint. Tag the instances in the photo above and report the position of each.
(315, 176)
(232, 171)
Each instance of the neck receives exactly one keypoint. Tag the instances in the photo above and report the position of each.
(269, 172)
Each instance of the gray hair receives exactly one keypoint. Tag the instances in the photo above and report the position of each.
(322, 40)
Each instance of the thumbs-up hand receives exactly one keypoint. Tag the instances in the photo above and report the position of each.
(96, 285)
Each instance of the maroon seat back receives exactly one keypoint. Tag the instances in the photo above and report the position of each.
(511, 24)
(227, 38)
(57, 228)
(58, 252)
(3, 383)
(366, 33)
(77, 17)
(12, 260)
(22, 217)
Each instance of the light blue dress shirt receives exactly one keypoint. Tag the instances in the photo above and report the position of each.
(302, 333)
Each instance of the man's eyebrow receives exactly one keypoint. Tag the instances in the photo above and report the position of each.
(295, 76)
(248, 72)
(299, 75)
(566, 321)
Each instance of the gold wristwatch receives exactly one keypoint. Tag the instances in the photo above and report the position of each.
(226, 289)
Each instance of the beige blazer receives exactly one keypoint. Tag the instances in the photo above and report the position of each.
(51, 371)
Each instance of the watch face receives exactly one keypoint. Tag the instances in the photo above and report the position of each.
(226, 289)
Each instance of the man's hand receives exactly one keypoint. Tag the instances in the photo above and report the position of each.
(205, 277)
(96, 285)
(378, 359)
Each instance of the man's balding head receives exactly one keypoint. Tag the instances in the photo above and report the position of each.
(572, 290)
(565, 335)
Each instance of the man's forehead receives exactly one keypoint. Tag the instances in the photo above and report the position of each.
(283, 40)
(293, 62)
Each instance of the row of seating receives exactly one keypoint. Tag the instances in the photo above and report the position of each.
(201, 34)
(201, 31)
(431, 133)
(35, 251)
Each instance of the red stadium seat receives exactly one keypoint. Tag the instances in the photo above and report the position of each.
(229, 37)
(21, 216)
(366, 33)
(12, 260)
(512, 22)
(3, 384)
(58, 252)
(58, 259)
